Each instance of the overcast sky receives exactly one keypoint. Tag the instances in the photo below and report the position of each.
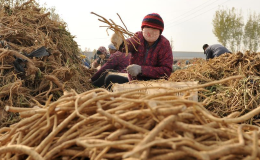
(187, 22)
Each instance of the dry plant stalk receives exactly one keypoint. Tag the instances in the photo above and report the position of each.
(123, 33)
(239, 95)
(25, 28)
(120, 126)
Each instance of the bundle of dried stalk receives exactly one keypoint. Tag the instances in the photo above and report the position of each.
(98, 124)
(223, 99)
(26, 28)
(121, 32)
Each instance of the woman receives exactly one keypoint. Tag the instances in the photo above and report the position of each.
(111, 48)
(153, 58)
(117, 62)
(102, 58)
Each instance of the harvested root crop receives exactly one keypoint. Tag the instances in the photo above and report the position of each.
(98, 124)
(224, 99)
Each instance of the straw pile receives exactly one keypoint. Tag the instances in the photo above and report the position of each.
(130, 125)
(23, 29)
(98, 124)
(242, 96)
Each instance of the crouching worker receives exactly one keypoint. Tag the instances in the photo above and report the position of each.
(117, 62)
(153, 58)
(102, 58)
(214, 50)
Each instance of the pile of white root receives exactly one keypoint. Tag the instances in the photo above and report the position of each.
(129, 125)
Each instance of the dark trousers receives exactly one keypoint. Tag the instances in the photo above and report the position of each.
(107, 80)
(100, 82)
(110, 79)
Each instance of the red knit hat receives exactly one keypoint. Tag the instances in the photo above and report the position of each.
(153, 20)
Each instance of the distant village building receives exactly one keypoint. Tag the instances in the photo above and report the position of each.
(176, 55)
(187, 55)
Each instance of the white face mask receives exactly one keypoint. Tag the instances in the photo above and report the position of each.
(151, 34)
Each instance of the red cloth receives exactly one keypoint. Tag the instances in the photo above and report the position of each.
(117, 61)
(103, 50)
(159, 60)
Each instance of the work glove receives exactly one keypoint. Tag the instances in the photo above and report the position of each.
(116, 40)
(134, 70)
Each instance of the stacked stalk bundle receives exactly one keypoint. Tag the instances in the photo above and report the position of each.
(25, 79)
(123, 33)
(223, 99)
(98, 124)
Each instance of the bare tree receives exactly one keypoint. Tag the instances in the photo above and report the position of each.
(87, 49)
(236, 30)
(228, 27)
(252, 33)
(12, 3)
(221, 26)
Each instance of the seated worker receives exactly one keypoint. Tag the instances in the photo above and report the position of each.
(117, 62)
(153, 58)
(214, 50)
(111, 48)
(102, 58)
(86, 62)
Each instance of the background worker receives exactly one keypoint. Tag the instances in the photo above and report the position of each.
(111, 48)
(117, 62)
(153, 58)
(85, 60)
(103, 56)
(214, 50)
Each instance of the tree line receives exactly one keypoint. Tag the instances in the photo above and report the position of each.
(232, 32)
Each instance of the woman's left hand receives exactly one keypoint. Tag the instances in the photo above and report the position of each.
(134, 70)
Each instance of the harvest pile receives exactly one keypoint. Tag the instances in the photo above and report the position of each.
(242, 96)
(26, 79)
(63, 117)
(129, 125)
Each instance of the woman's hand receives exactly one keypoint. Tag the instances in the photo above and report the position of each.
(134, 70)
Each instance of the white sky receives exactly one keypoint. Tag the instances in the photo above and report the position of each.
(187, 22)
